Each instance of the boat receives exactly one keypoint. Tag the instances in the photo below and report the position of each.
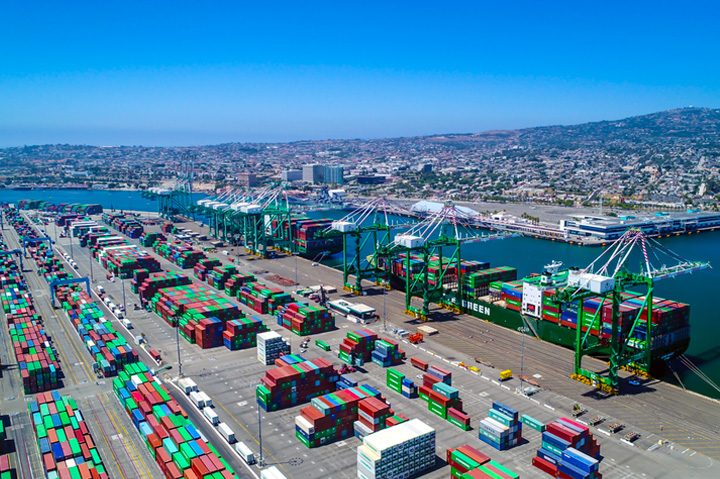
(495, 295)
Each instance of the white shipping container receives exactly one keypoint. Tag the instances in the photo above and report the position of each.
(197, 399)
(211, 415)
(246, 453)
(344, 226)
(409, 241)
(594, 283)
(304, 424)
(226, 432)
(187, 385)
(272, 473)
(206, 398)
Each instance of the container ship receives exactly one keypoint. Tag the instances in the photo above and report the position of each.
(307, 237)
(529, 305)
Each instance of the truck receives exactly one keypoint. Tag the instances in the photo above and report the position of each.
(211, 415)
(505, 375)
(197, 399)
(187, 385)
(156, 357)
(226, 432)
(245, 452)
(206, 398)
(419, 364)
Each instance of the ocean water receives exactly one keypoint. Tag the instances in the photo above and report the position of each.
(528, 255)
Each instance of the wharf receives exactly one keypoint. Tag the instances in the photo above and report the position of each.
(229, 377)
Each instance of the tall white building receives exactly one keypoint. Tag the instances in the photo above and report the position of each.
(314, 173)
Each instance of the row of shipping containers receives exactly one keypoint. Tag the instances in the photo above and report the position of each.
(177, 446)
(38, 364)
(6, 472)
(107, 348)
(125, 224)
(67, 448)
(80, 209)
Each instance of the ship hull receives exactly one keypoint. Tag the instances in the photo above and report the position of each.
(555, 333)
(548, 331)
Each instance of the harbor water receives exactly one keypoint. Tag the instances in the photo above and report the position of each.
(528, 255)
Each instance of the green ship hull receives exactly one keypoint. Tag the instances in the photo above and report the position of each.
(555, 333)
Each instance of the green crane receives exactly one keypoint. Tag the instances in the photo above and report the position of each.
(610, 282)
(178, 199)
(428, 240)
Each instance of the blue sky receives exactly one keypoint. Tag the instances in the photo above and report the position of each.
(188, 73)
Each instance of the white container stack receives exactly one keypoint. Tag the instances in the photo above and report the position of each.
(403, 450)
(272, 473)
(270, 346)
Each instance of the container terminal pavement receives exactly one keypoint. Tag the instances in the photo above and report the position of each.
(232, 392)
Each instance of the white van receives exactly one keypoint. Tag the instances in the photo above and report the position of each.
(100, 289)
(112, 306)
(106, 300)
(127, 323)
(245, 452)
(118, 313)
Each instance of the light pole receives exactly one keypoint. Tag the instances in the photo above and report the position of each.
(296, 267)
(261, 460)
(177, 343)
(122, 282)
(384, 310)
(90, 259)
(71, 246)
(523, 330)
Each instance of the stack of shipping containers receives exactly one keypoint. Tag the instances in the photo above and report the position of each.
(270, 346)
(179, 254)
(262, 298)
(568, 450)
(387, 353)
(303, 320)
(466, 462)
(201, 269)
(295, 381)
(37, 362)
(477, 284)
(242, 333)
(357, 347)
(400, 384)
(502, 429)
(404, 450)
(149, 238)
(331, 417)
(233, 284)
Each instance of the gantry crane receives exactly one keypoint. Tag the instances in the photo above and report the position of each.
(176, 200)
(368, 222)
(608, 281)
(439, 231)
